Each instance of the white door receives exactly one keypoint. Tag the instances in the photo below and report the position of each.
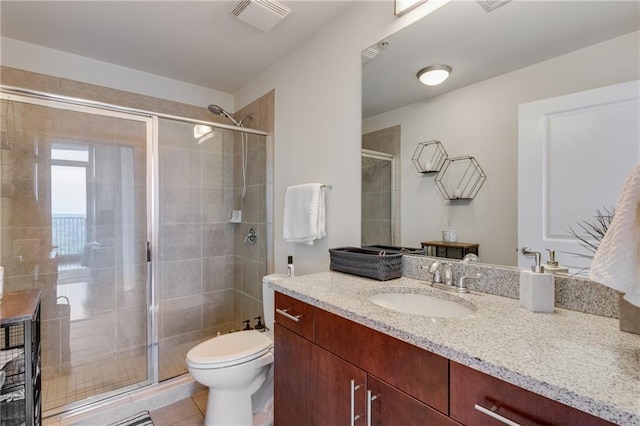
(574, 153)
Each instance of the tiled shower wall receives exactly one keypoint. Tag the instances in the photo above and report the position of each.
(226, 288)
(377, 217)
(252, 262)
(196, 242)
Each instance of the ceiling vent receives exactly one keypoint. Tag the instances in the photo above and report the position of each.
(490, 5)
(260, 14)
(368, 54)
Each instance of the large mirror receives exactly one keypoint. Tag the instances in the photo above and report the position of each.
(505, 63)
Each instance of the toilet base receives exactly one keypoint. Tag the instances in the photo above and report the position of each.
(229, 408)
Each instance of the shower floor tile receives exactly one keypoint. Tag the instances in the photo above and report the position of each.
(90, 380)
(106, 375)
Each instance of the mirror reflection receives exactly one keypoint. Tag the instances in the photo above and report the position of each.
(534, 73)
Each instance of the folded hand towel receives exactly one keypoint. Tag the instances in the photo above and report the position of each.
(616, 263)
(304, 213)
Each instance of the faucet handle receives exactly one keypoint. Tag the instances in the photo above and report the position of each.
(462, 282)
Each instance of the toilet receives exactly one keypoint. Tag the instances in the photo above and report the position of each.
(238, 370)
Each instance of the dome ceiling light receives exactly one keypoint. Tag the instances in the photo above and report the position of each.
(434, 74)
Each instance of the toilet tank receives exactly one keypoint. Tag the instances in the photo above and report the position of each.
(268, 298)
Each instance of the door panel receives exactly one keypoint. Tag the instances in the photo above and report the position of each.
(574, 153)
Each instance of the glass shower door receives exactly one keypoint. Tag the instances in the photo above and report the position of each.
(74, 224)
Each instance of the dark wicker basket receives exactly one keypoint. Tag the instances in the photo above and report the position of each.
(376, 264)
(395, 249)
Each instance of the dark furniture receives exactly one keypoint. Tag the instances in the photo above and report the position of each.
(20, 352)
(450, 250)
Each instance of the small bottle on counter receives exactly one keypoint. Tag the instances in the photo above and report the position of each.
(290, 268)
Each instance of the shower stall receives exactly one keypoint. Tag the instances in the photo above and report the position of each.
(122, 218)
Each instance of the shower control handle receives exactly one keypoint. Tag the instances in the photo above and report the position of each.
(251, 237)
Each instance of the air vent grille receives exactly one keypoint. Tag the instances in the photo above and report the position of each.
(490, 5)
(261, 14)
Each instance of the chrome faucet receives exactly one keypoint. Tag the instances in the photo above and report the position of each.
(443, 277)
(442, 273)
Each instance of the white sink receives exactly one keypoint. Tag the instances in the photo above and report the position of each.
(421, 304)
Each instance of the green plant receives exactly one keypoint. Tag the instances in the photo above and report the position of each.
(593, 232)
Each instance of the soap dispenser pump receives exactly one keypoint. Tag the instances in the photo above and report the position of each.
(552, 264)
(537, 288)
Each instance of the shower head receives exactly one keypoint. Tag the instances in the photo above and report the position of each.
(218, 110)
(246, 117)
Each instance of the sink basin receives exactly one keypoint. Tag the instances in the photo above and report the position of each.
(420, 304)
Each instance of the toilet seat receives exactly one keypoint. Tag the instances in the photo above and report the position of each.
(230, 349)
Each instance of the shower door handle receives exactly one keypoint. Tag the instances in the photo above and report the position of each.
(148, 251)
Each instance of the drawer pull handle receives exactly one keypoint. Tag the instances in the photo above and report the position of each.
(498, 417)
(370, 399)
(285, 313)
(354, 388)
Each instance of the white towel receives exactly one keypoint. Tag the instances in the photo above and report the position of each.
(616, 263)
(304, 213)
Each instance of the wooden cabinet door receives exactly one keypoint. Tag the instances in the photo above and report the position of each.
(413, 370)
(334, 402)
(470, 387)
(389, 406)
(312, 386)
(293, 375)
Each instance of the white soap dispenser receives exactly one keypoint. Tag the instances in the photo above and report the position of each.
(537, 288)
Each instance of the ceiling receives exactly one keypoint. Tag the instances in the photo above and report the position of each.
(199, 43)
(191, 41)
(480, 45)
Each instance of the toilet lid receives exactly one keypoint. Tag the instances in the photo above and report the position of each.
(229, 347)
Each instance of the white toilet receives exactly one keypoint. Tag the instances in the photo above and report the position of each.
(238, 370)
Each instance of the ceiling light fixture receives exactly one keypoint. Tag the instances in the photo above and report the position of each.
(434, 74)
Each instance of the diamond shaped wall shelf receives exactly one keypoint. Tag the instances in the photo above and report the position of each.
(460, 178)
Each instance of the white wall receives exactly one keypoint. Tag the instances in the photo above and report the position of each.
(482, 120)
(318, 124)
(40, 59)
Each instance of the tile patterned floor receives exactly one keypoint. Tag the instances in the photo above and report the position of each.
(187, 412)
(105, 375)
(88, 380)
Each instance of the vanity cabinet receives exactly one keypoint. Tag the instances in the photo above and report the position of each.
(476, 393)
(332, 371)
(343, 373)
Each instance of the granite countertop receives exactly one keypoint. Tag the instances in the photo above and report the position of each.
(578, 359)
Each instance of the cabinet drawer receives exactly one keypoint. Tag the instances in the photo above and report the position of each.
(392, 407)
(419, 373)
(295, 315)
(470, 387)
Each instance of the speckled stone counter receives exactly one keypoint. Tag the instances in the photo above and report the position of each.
(578, 359)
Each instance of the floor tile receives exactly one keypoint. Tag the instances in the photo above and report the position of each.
(174, 413)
